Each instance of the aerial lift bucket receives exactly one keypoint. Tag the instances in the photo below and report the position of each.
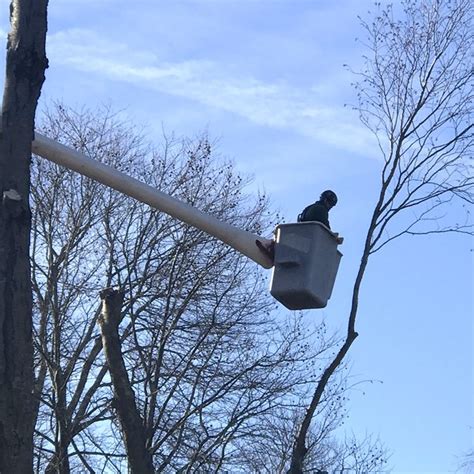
(306, 264)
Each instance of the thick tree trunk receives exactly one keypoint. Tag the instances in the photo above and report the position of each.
(139, 458)
(26, 63)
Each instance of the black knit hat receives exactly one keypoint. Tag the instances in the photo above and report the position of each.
(330, 196)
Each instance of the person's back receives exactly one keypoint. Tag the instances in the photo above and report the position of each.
(316, 212)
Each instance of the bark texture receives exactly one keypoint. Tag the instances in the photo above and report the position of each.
(26, 63)
(139, 457)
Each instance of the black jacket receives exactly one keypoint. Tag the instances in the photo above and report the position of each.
(316, 212)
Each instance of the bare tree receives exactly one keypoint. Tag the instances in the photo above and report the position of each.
(205, 359)
(326, 453)
(68, 270)
(415, 94)
(208, 366)
(134, 434)
(26, 63)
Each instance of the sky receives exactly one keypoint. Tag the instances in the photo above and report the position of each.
(266, 79)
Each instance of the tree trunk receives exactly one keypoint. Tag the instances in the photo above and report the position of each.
(60, 460)
(133, 431)
(299, 448)
(26, 63)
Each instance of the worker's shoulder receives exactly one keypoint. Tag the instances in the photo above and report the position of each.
(317, 206)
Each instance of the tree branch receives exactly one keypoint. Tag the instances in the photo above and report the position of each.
(132, 425)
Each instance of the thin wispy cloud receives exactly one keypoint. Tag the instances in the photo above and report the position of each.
(268, 104)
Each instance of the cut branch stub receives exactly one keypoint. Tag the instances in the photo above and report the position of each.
(133, 430)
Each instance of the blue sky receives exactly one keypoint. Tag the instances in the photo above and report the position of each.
(266, 78)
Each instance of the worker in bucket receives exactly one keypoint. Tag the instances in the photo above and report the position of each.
(316, 212)
(319, 211)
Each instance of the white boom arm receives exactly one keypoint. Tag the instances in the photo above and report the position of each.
(240, 240)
